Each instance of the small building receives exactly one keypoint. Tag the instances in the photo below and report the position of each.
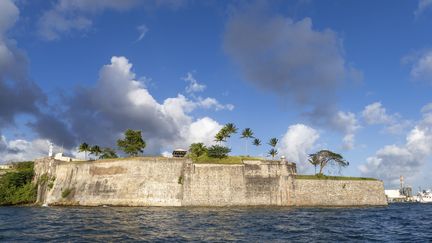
(395, 196)
(5, 167)
(179, 153)
(61, 157)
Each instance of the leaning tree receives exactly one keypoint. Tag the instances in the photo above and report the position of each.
(326, 157)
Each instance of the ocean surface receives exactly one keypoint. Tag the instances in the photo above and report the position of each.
(395, 223)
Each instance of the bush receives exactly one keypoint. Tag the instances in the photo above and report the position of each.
(197, 149)
(16, 187)
(66, 192)
(217, 151)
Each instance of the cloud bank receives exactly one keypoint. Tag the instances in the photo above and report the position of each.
(292, 60)
(392, 161)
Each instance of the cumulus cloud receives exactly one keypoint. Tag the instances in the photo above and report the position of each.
(348, 123)
(393, 161)
(118, 101)
(291, 59)
(18, 94)
(422, 6)
(69, 16)
(376, 114)
(297, 143)
(22, 150)
(421, 65)
(193, 85)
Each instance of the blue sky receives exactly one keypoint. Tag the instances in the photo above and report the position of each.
(351, 76)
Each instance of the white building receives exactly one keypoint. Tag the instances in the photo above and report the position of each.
(5, 167)
(394, 195)
(61, 157)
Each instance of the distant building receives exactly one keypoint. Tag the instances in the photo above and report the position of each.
(394, 195)
(179, 153)
(5, 167)
(61, 157)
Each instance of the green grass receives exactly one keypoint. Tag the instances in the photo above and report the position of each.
(204, 159)
(336, 178)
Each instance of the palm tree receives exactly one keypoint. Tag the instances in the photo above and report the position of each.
(220, 137)
(230, 128)
(256, 142)
(273, 152)
(96, 150)
(84, 147)
(197, 149)
(247, 133)
(108, 153)
(273, 142)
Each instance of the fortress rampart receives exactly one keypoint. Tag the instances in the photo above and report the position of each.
(149, 181)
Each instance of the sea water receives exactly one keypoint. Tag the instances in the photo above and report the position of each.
(395, 223)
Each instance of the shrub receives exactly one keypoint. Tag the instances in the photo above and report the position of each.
(197, 149)
(16, 187)
(66, 192)
(217, 151)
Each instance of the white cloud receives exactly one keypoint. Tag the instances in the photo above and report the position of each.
(193, 85)
(8, 15)
(22, 150)
(423, 5)
(408, 159)
(376, 114)
(142, 30)
(348, 123)
(69, 16)
(421, 68)
(297, 143)
(118, 102)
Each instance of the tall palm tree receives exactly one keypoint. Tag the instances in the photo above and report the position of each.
(256, 142)
(273, 142)
(273, 152)
(220, 137)
(84, 147)
(230, 128)
(247, 133)
(96, 150)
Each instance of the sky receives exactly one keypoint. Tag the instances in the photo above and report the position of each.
(354, 77)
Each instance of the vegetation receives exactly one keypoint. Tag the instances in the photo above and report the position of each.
(66, 192)
(247, 133)
(205, 159)
(273, 151)
(326, 157)
(133, 143)
(324, 177)
(197, 149)
(256, 142)
(84, 147)
(217, 151)
(16, 186)
(225, 133)
(96, 150)
(108, 153)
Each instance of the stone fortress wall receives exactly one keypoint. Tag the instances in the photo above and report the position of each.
(151, 181)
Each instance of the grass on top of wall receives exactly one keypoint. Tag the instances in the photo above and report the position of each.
(336, 178)
(204, 159)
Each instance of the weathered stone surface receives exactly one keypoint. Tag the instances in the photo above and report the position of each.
(179, 182)
(338, 193)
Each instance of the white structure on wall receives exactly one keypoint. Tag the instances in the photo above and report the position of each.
(50, 149)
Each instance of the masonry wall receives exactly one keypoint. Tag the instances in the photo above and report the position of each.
(338, 193)
(179, 182)
(135, 182)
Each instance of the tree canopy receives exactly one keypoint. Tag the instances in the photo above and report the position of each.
(133, 143)
(197, 149)
(326, 157)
